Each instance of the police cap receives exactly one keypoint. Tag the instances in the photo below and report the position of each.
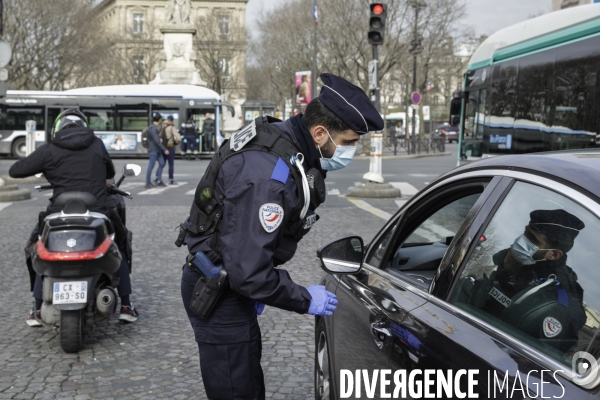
(350, 103)
(556, 224)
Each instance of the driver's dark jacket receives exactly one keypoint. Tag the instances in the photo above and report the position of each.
(75, 161)
(247, 249)
(563, 301)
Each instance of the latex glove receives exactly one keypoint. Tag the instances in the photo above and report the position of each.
(259, 307)
(322, 302)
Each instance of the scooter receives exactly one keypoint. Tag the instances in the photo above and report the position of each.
(77, 255)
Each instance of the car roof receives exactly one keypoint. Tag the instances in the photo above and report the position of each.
(574, 167)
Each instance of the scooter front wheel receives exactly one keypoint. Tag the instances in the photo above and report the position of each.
(71, 330)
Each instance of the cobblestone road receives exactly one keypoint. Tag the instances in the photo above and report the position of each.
(156, 357)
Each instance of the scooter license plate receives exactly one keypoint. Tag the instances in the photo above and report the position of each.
(69, 292)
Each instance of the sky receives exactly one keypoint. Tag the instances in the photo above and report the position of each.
(485, 16)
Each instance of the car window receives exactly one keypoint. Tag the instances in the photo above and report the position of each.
(417, 253)
(534, 273)
(444, 223)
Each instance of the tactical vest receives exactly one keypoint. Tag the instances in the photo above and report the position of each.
(207, 208)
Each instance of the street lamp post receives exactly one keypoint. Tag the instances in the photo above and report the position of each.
(415, 50)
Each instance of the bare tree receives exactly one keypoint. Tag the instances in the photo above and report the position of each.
(51, 42)
(220, 44)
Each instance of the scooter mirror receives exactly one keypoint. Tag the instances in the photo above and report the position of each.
(131, 170)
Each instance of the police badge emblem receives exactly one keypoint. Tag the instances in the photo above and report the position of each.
(270, 216)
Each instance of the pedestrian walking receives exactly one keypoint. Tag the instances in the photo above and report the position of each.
(170, 138)
(255, 202)
(155, 153)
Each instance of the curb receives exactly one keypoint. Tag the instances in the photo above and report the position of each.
(8, 188)
(15, 195)
(32, 180)
(405, 157)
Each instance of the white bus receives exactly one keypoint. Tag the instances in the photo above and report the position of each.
(534, 86)
(117, 114)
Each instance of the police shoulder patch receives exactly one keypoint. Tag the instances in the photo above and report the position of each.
(551, 327)
(270, 216)
(241, 137)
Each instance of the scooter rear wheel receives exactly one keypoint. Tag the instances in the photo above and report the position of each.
(71, 330)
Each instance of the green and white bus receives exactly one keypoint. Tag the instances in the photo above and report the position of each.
(531, 87)
(117, 114)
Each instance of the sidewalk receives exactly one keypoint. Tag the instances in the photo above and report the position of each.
(401, 153)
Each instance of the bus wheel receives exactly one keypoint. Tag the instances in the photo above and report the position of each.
(19, 148)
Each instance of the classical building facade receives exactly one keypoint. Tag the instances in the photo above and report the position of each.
(560, 4)
(179, 41)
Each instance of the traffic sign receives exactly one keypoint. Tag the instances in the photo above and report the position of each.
(415, 97)
(3, 74)
(414, 106)
(373, 74)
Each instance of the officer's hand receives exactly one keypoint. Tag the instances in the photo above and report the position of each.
(166, 152)
(259, 307)
(480, 291)
(322, 302)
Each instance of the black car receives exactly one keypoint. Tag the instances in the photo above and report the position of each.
(485, 283)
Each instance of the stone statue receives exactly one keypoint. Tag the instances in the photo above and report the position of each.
(178, 12)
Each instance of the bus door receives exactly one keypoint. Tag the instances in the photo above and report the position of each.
(474, 124)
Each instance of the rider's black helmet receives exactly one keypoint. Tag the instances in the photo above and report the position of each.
(71, 118)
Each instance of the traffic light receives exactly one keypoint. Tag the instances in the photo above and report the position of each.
(377, 23)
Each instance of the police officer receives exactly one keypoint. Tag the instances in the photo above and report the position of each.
(191, 142)
(75, 161)
(256, 200)
(208, 133)
(533, 289)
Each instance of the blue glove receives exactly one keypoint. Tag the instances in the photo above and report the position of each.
(322, 302)
(259, 307)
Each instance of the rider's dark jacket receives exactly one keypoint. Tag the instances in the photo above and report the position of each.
(75, 161)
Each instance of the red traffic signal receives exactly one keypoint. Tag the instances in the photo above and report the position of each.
(377, 23)
(377, 8)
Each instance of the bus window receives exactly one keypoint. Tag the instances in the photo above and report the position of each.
(576, 81)
(99, 119)
(132, 119)
(166, 112)
(16, 117)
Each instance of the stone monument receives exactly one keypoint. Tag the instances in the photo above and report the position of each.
(177, 62)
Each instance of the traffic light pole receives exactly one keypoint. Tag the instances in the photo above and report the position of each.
(375, 186)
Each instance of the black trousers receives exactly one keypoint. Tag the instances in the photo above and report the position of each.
(229, 343)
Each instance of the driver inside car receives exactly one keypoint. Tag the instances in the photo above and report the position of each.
(531, 287)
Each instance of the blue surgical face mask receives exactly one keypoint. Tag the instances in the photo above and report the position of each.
(523, 250)
(341, 157)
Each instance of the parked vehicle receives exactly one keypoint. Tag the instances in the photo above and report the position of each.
(77, 255)
(407, 300)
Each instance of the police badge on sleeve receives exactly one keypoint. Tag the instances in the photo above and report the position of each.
(270, 216)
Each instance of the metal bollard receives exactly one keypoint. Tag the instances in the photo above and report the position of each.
(30, 128)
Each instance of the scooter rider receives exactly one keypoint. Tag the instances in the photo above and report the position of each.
(75, 160)
(255, 202)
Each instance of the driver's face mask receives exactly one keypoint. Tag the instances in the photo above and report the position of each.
(341, 157)
(523, 250)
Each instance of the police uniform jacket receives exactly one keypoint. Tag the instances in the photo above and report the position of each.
(250, 180)
(554, 314)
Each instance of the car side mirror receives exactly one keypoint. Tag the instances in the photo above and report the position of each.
(131, 170)
(342, 256)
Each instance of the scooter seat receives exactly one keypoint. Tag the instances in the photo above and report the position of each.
(75, 202)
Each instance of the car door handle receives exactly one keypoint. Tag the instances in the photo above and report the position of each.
(380, 333)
